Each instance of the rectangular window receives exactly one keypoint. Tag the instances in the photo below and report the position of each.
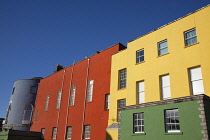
(140, 56)
(47, 102)
(190, 37)
(90, 91)
(141, 92)
(58, 99)
(33, 90)
(138, 123)
(54, 132)
(37, 115)
(122, 79)
(165, 87)
(13, 90)
(120, 103)
(107, 101)
(162, 47)
(69, 132)
(172, 120)
(196, 81)
(72, 97)
(42, 131)
(87, 132)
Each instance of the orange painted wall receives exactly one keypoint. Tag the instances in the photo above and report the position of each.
(94, 114)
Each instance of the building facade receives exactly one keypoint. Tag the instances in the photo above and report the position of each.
(21, 105)
(73, 103)
(169, 62)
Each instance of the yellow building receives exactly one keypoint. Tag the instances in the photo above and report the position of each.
(170, 62)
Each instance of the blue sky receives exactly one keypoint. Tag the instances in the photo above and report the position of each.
(35, 35)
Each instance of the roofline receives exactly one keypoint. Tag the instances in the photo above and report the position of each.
(171, 22)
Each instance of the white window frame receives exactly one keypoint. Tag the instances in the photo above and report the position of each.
(72, 96)
(58, 103)
(107, 101)
(87, 129)
(47, 102)
(194, 37)
(165, 86)
(160, 49)
(170, 120)
(140, 56)
(90, 90)
(122, 78)
(138, 122)
(196, 80)
(42, 131)
(141, 92)
(54, 132)
(68, 132)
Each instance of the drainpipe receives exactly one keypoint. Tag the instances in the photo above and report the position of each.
(60, 104)
(67, 109)
(83, 117)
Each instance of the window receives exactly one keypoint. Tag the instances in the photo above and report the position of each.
(87, 132)
(54, 132)
(190, 37)
(141, 92)
(120, 103)
(13, 90)
(69, 132)
(172, 120)
(27, 115)
(90, 91)
(58, 99)
(72, 98)
(33, 90)
(138, 119)
(122, 79)
(37, 115)
(165, 87)
(47, 102)
(140, 56)
(162, 47)
(107, 101)
(196, 81)
(42, 131)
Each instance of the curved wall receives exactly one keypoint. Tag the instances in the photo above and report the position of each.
(23, 94)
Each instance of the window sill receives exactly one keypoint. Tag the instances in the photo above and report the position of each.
(163, 54)
(138, 134)
(140, 63)
(191, 45)
(121, 89)
(174, 133)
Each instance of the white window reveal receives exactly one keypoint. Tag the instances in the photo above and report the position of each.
(69, 132)
(165, 87)
(72, 97)
(87, 132)
(90, 91)
(141, 92)
(196, 81)
(47, 102)
(58, 99)
(107, 101)
(54, 133)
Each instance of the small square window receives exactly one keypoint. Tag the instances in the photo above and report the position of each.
(190, 37)
(172, 120)
(162, 47)
(140, 56)
(138, 123)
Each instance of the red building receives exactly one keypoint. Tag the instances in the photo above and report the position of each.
(73, 102)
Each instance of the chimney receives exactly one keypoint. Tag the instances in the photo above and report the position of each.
(58, 68)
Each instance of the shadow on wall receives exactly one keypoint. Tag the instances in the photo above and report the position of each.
(108, 137)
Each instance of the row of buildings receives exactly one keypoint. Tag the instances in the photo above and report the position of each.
(156, 88)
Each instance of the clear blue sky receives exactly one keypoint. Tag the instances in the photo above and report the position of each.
(35, 35)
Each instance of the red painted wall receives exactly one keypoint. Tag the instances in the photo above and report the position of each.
(94, 113)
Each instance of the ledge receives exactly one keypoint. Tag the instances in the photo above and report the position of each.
(174, 133)
(138, 134)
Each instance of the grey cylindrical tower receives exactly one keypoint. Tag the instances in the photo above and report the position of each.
(22, 101)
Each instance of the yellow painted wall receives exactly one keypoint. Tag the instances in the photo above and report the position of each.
(175, 63)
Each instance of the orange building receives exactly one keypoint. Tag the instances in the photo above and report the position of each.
(73, 103)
